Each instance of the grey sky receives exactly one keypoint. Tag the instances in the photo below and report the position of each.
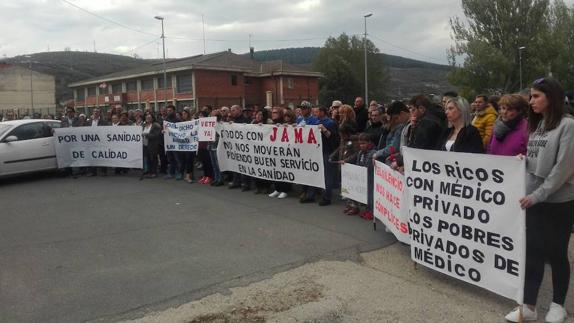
(415, 28)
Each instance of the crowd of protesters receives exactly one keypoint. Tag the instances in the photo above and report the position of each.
(538, 126)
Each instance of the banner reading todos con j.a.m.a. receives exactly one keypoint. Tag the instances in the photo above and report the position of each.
(466, 218)
(99, 146)
(277, 153)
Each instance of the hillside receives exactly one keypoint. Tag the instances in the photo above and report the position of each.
(68, 66)
(407, 77)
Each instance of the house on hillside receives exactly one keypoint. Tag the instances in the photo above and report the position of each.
(217, 79)
(25, 91)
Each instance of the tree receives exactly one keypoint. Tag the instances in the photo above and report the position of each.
(341, 61)
(488, 44)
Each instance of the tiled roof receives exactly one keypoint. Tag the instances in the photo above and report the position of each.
(227, 61)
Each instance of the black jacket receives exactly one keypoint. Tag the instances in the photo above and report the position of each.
(468, 140)
(427, 132)
(361, 117)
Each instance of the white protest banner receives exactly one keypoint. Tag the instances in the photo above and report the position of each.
(181, 136)
(354, 182)
(390, 201)
(465, 217)
(207, 128)
(276, 153)
(99, 146)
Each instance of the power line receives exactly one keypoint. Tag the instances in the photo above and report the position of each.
(408, 50)
(107, 19)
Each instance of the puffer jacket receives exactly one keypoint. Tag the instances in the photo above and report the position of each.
(484, 123)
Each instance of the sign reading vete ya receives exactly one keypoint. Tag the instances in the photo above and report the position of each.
(207, 128)
(181, 136)
(465, 217)
(99, 146)
(390, 201)
(354, 182)
(276, 153)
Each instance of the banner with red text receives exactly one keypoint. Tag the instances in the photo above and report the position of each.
(465, 217)
(390, 201)
(276, 153)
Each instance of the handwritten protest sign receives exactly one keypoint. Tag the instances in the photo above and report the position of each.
(354, 182)
(207, 129)
(181, 136)
(276, 153)
(466, 219)
(99, 146)
(390, 201)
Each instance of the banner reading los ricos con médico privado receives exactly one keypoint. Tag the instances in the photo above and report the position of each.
(99, 146)
(276, 153)
(465, 217)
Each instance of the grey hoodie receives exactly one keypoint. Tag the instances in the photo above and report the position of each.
(550, 163)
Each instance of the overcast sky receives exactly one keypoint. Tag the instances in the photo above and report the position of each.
(416, 29)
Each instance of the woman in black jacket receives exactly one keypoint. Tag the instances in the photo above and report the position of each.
(460, 136)
(152, 136)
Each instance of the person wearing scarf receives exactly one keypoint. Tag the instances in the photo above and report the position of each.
(510, 135)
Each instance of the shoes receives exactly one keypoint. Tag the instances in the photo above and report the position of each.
(352, 211)
(90, 175)
(201, 180)
(167, 176)
(367, 215)
(324, 202)
(232, 186)
(217, 183)
(527, 314)
(207, 180)
(282, 195)
(245, 188)
(274, 194)
(306, 200)
(556, 313)
(178, 177)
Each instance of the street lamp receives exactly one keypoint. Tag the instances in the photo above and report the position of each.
(365, 47)
(31, 83)
(164, 71)
(520, 63)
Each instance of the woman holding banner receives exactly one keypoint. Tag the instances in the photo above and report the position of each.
(549, 200)
(460, 136)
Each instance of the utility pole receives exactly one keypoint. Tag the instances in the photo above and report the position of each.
(164, 68)
(31, 82)
(365, 46)
(203, 28)
(520, 49)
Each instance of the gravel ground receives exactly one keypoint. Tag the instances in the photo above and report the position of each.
(384, 286)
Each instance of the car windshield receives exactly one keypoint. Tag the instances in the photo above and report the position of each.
(4, 128)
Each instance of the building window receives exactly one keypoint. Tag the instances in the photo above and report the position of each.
(80, 94)
(290, 83)
(132, 86)
(92, 91)
(248, 81)
(234, 80)
(147, 84)
(160, 82)
(116, 88)
(184, 84)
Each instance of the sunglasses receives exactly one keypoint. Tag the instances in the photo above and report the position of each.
(539, 81)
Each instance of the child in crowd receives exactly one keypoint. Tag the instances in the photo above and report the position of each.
(363, 158)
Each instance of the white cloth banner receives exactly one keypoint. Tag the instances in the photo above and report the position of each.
(276, 153)
(107, 146)
(181, 136)
(465, 217)
(354, 182)
(390, 201)
(207, 129)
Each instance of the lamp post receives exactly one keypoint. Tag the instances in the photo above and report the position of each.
(520, 63)
(365, 47)
(31, 83)
(164, 71)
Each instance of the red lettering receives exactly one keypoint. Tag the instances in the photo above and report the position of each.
(311, 138)
(298, 135)
(273, 136)
(285, 136)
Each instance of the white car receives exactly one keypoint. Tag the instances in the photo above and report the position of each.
(27, 146)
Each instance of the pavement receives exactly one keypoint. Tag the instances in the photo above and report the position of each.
(114, 248)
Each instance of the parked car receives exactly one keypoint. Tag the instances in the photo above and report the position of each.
(27, 146)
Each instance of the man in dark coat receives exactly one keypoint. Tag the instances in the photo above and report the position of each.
(361, 114)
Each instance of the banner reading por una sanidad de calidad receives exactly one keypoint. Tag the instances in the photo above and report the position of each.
(106, 146)
(276, 153)
(465, 217)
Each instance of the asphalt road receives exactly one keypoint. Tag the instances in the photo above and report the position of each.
(74, 250)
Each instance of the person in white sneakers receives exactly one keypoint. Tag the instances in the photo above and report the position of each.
(550, 199)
